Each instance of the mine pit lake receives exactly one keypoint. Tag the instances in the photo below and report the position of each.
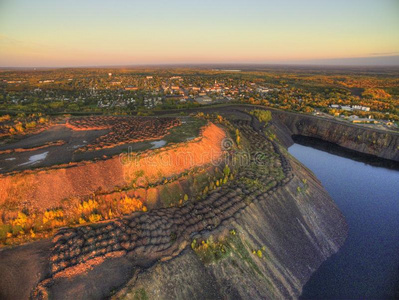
(367, 266)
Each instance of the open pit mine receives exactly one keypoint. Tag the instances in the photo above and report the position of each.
(203, 207)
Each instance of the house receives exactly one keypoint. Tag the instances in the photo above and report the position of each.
(359, 107)
(347, 108)
(262, 89)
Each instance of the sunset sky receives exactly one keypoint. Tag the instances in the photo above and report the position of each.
(96, 32)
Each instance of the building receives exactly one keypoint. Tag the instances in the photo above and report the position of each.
(347, 108)
(203, 100)
(262, 89)
(359, 107)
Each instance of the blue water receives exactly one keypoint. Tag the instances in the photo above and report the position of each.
(367, 266)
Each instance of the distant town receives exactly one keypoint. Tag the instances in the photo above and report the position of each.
(368, 98)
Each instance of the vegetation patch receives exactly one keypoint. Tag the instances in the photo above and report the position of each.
(140, 294)
(264, 116)
(188, 130)
(24, 225)
(213, 250)
(210, 251)
(171, 194)
(22, 124)
(302, 188)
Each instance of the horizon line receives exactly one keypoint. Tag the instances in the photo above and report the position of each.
(359, 61)
(188, 65)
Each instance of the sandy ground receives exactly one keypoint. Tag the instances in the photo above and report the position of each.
(47, 188)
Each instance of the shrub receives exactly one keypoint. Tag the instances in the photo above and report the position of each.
(129, 205)
(206, 190)
(21, 220)
(30, 125)
(5, 118)
(42, 120)
(95, 218)
(238, 137)
(226, 170)
(86, 207)
(262, 115)
(53, 218)
(259, 253)
(5, 232)
(19, 127)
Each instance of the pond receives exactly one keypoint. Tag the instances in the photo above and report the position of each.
(367, 266)
(34, 159)
(158, 144)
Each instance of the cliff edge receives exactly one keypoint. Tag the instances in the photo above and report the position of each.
(382, 144)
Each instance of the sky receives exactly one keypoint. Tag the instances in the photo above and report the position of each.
(49, 33)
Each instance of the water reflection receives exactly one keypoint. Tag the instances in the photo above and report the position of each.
(367, 266)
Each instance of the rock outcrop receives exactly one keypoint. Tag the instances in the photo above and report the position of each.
(382, 144)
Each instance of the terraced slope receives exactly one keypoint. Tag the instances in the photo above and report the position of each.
(150, 233)
(94, 261)
(123, 130)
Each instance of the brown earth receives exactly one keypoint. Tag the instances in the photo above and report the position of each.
(46, 188)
